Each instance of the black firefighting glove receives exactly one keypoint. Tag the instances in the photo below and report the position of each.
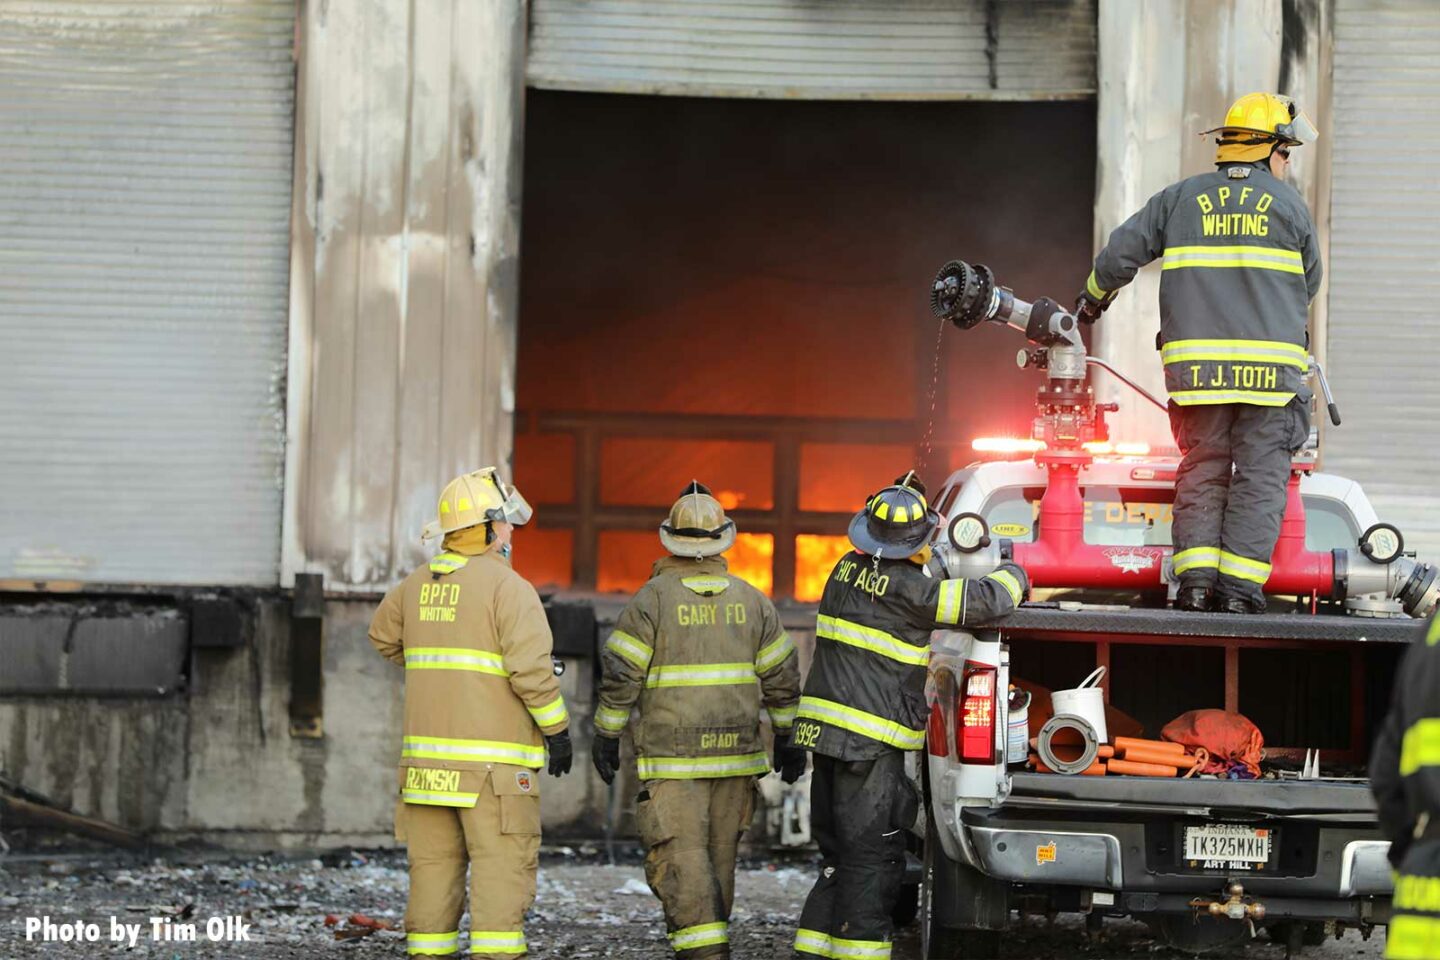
(789, 759)
(1018, 572)
(558, 745)
(1089, 308)
(605, 754)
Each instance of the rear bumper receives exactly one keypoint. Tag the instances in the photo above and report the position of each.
(1342, 880)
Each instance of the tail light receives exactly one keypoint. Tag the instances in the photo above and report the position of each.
(935, 738)
(975, 723)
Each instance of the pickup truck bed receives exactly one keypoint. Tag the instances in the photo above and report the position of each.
(1199, 797)
(1055, 619)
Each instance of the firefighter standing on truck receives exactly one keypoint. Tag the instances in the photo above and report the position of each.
(1405, 776)
(1241, 265)
(482, 706)
(864, 706)
(692, 659)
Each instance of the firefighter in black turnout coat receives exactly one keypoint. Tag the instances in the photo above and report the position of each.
(1405, 775)
(864, 705)
(1241, 265)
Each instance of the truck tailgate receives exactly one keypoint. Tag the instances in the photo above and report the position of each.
(1265, 798)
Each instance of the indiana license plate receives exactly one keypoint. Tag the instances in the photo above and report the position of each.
(1227, 846)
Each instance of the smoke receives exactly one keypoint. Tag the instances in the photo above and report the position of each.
(773, 258)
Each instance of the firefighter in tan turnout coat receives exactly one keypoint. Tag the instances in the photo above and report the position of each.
(482, 705)
(691, 661)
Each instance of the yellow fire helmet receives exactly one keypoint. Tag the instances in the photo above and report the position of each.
(1256, 124)
(475, 498)
(697, 526)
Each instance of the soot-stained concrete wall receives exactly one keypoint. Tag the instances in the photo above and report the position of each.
(215, 760)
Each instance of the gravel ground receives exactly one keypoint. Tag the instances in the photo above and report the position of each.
(585, 908)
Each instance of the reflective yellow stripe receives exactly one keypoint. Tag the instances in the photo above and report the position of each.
(868, 638)
(1007, 580)
(1094, 289)
(1260, 351)
(1412, 938)
(1250, 262)
(432, 944)
(858, 721)
(782, 718)
(552, 713)
(497, 941)
(455, 658)
(1232, 256)
(1243, 568)
(1197, 558)
(702, 768)
(838, 948)
(706, 586)
(612, 720)
(437, 798)
(1237, 249)
(774, 653)
(628, 648)
(1190, 398)
(478, 751)
(447, 562)
(951, 602)
(1432, 637)
(700, 675)
(1417, 893)
(702, 935)
(1421, 746)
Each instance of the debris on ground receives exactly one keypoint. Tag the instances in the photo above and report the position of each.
(354, 903)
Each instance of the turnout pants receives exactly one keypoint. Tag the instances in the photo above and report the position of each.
(1230, 491)
(691, 830)
(859, 811)
(499, 839)
(1414, 932)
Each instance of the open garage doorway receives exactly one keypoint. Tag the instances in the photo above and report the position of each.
(737, 291)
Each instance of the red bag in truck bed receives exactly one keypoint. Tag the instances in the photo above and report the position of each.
(1229, 737)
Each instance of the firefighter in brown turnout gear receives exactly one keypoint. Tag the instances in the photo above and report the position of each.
(482, 707)
(864, 706)
(1241, 265)
(1405, 775)
(691, 661)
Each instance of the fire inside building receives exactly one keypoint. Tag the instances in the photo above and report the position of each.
(753, 316)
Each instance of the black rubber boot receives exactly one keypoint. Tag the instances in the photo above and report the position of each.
(1238, 605)
(1193, 599)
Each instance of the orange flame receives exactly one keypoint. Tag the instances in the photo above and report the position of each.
(815, 557)
(752, 559)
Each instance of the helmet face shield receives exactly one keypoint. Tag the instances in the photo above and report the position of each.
(1299, 129)
(515, 509)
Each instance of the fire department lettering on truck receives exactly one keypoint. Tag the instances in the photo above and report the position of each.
(708, 614)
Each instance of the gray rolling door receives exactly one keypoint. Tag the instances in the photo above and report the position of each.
(1385, 259)
(817, 49)
(144, 262)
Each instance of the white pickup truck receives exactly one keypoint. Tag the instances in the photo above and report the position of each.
(1312, 674)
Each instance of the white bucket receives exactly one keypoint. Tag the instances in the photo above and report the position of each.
(1086, 701)
(1017, 728)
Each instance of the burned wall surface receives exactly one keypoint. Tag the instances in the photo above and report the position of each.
(766, 265)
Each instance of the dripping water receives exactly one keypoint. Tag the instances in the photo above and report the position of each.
(927, 440)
